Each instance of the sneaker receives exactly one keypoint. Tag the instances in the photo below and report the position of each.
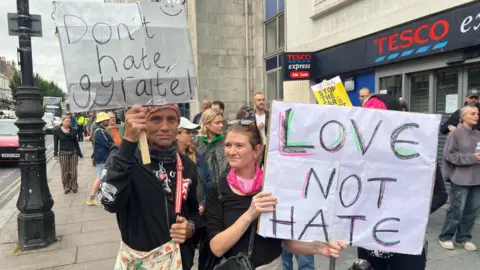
(469, 245)
(448, 244)
(93, 202)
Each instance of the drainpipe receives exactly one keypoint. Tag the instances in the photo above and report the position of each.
(247, 52)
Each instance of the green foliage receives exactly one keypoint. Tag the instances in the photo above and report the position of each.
(47, 88)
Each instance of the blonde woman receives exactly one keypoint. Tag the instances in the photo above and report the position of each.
(210, 142)
(67, 150)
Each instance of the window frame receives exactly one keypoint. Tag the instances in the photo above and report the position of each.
(278, 49)
(277, 52)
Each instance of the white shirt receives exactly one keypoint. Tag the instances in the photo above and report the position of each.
(261, 119)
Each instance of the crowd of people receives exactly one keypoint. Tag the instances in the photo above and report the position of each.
(219, 165)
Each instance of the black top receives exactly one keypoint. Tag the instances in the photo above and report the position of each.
(145, 211)
(224, 211)
(65, 141)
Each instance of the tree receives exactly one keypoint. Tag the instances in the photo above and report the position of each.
(47, 88)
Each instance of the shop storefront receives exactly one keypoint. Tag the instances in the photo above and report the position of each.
(430, 62)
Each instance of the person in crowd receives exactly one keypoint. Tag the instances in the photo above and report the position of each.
(81, 121)
(73, 120)
(403, 105)
(206, 104)
(363, 94)
(113, 129)
(235, 203)
(211, 142)
(461, 166)
(86, 130)
(92, 124)
(185, 146)
(67, 150)
(102, 143)
(143, 196)
(397, 261)
(219, 105)
(261, 117)
(451, 124)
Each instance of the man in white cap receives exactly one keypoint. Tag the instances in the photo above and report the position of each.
(155, 232)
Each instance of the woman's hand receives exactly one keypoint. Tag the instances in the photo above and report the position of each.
(201, 209)
(333, 249)
(263, 202)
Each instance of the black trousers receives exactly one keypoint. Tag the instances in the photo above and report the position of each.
(80, 133)
(396, 262)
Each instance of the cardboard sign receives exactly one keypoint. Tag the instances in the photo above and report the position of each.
(331, 92)
(118, 55)
(359, 175)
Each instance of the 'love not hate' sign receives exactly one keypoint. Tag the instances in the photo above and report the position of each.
(364, 176)
(117, 55)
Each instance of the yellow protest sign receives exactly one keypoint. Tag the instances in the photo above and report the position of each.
(331, 92)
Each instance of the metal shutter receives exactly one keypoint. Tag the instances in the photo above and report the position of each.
(447, 84)
(419, 94)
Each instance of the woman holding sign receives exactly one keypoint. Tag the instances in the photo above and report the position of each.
(461, 164)
(235, 202)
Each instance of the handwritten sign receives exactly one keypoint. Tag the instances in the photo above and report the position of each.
(331, 92)
(117, 55)
(346, 173)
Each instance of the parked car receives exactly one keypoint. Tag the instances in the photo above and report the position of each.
(57, 121)
(9, 141)
(49, 126)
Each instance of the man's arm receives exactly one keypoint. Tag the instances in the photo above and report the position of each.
(452, 121)
(115, 188)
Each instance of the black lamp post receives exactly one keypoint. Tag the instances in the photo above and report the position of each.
(36, 221)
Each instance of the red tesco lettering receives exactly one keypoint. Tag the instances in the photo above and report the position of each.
(408, 37)
(295, 57)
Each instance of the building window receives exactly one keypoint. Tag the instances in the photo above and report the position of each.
(274, 47)
(184, 110)
(392, 85)
(273, 79)
(274, 27)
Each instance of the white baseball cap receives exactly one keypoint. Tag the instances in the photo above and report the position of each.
(186, 124)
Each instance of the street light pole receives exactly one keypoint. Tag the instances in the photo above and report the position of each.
(36, 220)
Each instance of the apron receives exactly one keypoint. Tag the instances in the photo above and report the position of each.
(165, 257)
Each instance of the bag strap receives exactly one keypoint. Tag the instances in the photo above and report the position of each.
(251, 243)
(178, 195)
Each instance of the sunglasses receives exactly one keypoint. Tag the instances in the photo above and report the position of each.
(245, 122)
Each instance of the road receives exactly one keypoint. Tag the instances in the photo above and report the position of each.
(9, 174)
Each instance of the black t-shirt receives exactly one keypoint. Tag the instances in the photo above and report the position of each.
(223, 212)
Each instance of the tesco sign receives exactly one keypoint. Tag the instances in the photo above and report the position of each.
(413, 36)
(297, 65)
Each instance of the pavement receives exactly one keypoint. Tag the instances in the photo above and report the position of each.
(88, 236)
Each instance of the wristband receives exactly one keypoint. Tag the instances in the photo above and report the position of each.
(193, 226)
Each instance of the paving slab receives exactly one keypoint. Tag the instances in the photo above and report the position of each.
(100, 264)
(97, 252)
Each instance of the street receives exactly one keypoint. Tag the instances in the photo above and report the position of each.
(10, 173)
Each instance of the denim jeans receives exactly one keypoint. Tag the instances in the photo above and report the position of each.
(461, 214)
(305, 262)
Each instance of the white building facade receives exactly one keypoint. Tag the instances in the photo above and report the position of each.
(425, 51)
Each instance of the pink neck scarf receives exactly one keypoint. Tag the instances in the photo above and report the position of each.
(246, 186)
